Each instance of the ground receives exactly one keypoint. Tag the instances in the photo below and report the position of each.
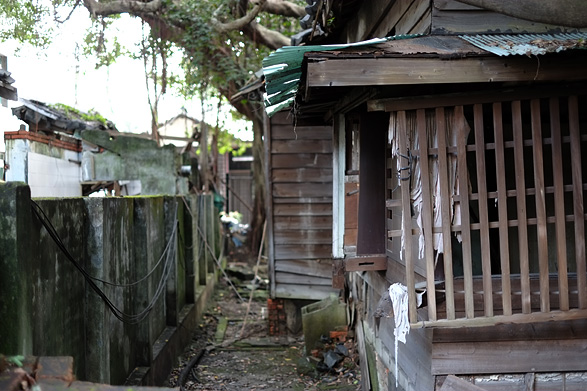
(254, 360)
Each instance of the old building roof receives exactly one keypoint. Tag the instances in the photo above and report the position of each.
(7, 90)
(59, 118)
(290, 72)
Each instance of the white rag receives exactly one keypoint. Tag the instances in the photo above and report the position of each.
(398, 294)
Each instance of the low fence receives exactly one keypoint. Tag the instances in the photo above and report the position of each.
(105, 280)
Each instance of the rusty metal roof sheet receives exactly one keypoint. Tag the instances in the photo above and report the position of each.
(527, 44)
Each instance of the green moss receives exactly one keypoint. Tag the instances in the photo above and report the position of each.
(72, 112)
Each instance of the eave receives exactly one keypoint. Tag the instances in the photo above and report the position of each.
(343, 72)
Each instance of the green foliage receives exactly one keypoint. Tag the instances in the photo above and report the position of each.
(72, 112)
(227, 142)
(97, 43)
(25, 21)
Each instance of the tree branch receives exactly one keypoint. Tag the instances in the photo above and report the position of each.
(132, 7)
(237, 24)
(270, 38)
(283, 8)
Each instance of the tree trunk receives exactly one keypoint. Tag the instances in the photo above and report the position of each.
(259, 185)
(571, 13)
(214, 149)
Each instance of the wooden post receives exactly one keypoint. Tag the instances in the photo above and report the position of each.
(521, 204)
(578, 207)
(338, 187)
(463, 175)
(427, 214)
(483, 212)
(540, 205)
(559, 204)
(407, 221)
(502, 201)
(445, 213)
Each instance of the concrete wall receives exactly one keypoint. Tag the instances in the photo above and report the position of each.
(50, 171)
(48, 308)
(131, 158)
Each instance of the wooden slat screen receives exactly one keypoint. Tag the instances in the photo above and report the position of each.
(499, 198)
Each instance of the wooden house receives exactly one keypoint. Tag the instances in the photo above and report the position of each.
(459, 169)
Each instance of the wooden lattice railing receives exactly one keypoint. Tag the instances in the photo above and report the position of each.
(498, 197)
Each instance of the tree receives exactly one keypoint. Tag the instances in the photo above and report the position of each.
(223, 44)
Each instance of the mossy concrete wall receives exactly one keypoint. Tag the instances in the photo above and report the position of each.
(16, 328)
(58, 289)
(48, 308)
(131, 158)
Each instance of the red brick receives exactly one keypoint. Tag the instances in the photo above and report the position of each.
(339, 335)
(60, 368)
(10, 380)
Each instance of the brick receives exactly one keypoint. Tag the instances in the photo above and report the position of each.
(339, 335)
(10, 380)
(59, 368)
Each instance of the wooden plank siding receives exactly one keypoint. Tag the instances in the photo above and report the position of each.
(439, 17)
(511, 251)
(300, 195)
(452, 17)
(378, 19)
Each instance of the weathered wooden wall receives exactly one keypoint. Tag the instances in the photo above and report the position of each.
(299, 160)
(453, 17)
(377, 19)
(383, 18)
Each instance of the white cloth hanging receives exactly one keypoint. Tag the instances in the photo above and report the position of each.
(398, 294)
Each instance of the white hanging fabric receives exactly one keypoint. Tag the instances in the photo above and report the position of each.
(398, 294)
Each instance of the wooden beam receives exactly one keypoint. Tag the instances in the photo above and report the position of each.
(355, 98)
(535, 317)
(338, 279)
(267, 125)
(559, 204)
(538, 159)
(445, 212)
(338, 187)
(427, 215)
(502, 208)
(474, 97)
(463, 178)
(509, 357)
(366, 263)
(407, 239)
(409, 71)
(483, 210)
(453, 383)
(578, 206)
(521, 204)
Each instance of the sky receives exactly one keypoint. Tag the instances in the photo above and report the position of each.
(117, 92)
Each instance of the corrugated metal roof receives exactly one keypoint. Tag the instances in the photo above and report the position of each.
(283, 70)
(527, 44)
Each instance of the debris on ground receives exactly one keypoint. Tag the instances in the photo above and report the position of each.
(232, 356)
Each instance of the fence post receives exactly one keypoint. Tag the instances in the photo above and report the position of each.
(16, 325)
(97, 316)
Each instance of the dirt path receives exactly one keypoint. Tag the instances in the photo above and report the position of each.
(254, 360)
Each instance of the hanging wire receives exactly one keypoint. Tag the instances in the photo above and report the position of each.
(402, 176)
(216, 260)
(168, 253)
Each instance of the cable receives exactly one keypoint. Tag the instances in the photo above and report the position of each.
(118, 313)
(212, 250)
